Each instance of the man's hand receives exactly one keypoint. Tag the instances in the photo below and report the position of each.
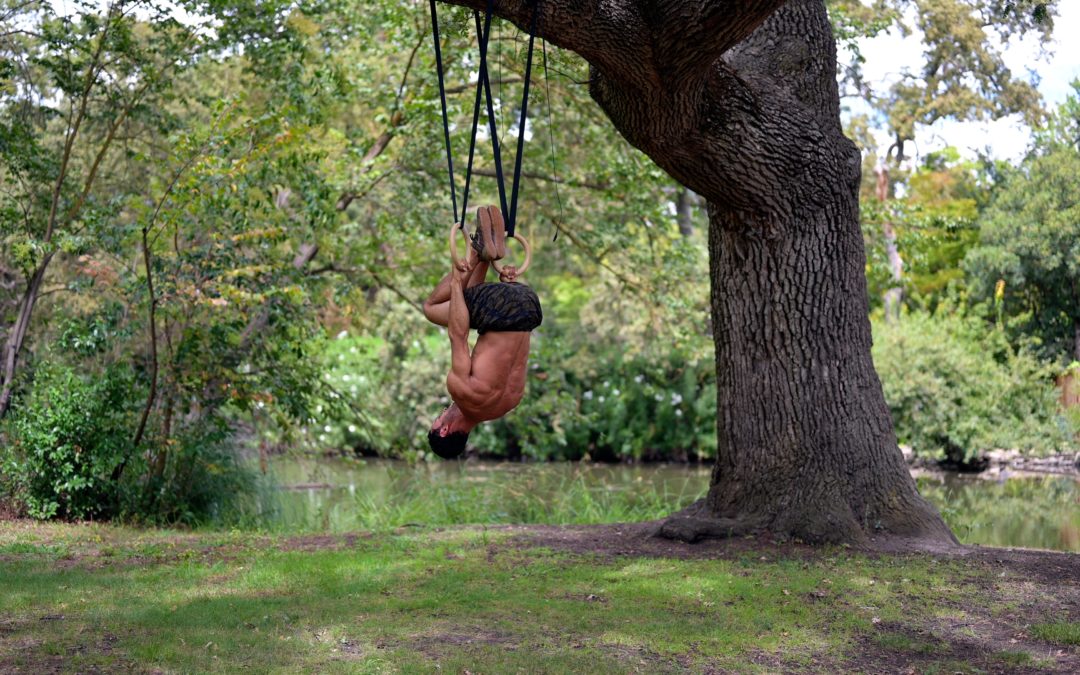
(461, 270)
(508, 274)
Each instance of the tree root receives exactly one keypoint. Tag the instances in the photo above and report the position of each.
(691, 529)
(917, 532)
(694, 523)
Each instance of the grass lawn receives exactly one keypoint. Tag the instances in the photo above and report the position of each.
(593, 599)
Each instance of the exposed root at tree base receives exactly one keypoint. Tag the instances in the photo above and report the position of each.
(640, 539)
(695, 523)
(691, 529)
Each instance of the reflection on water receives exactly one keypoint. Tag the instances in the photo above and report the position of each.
(342, 495)
(1033, 511)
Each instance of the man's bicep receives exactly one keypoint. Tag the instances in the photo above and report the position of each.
(465, 389)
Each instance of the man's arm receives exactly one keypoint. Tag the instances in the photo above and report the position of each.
(460, 383)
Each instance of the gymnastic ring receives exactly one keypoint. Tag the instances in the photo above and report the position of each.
(528, 256)
(453, 243)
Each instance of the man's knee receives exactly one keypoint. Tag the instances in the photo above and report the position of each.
(437, 312)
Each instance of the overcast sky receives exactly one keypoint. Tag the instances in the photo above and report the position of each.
(888, 54)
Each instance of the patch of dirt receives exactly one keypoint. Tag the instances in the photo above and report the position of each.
(8, 511)
(899, 648)
(637, 540)
(321, 542)
(436, 645)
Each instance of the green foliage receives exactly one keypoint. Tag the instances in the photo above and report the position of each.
(70, 456)
(1028, 258)
(957, 388)
(659, 406)
(935, 225)
(932, 243)
(378, 392)
(66, 442)
(527, 497)
(196, 479)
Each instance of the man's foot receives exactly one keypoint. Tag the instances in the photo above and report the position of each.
(490, 238)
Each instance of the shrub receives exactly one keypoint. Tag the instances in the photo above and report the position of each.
(65, 441)
(379, 395)
(199, 481)
(654, 407)
(955, 387)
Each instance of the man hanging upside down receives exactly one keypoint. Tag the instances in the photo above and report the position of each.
(489, 382)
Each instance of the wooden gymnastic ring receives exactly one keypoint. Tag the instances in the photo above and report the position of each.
(528, 256)
(453, 244)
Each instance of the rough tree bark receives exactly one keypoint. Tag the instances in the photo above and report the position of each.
(737, 100)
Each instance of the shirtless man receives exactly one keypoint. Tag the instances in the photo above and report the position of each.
(490, 381)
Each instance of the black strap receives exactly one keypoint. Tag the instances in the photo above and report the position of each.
(551, 136)
(442, 99)
(484, 82)
(511, 218)
(483, 90)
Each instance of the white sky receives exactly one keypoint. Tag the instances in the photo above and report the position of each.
(889, 54)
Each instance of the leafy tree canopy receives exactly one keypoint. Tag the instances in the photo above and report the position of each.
(1029, 253)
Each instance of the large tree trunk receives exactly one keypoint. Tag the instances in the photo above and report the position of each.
(737, 100)
(806, 445)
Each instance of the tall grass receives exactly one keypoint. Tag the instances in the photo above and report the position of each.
(517, 499)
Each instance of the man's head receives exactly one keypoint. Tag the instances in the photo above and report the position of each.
(450, 446)
(449, 433)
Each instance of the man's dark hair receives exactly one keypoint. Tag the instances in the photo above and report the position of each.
(449, 446)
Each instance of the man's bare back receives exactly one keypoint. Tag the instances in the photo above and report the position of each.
(488, 381)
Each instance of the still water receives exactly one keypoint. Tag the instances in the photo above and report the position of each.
(336, 495)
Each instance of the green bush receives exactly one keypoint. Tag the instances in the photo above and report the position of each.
(956, 387)
(379, 395)
(66, 439)
(652, 407)
(200, 480)
(69, 455)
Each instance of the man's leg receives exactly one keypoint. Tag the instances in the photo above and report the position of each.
(437, 306)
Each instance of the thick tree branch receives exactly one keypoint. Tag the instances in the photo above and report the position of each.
(609, 35)
(727, 114)
(690, 35)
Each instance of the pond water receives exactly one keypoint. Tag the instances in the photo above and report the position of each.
(337, 495)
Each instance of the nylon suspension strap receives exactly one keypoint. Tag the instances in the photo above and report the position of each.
(511, 217)
(483, 91)
(442, 99)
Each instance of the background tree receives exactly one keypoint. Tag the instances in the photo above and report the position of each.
(81, 89)
(963, 77)
(1028, 256)
(936, 223)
